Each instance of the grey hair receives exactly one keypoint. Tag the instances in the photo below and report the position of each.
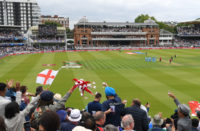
(110, 127)
(127, 120)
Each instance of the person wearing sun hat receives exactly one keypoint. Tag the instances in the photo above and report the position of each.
(72, 120)
(112, 107)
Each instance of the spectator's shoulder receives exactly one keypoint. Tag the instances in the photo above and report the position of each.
(105, 102)
(64, 124)
(90, 103)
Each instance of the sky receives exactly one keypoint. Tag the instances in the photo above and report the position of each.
(121, 10)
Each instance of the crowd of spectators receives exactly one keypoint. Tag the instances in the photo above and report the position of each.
(187, 30)
(16, 49)
(27, 49)
(10, 35)
(187, 42)
(49, 39)
(46, 111)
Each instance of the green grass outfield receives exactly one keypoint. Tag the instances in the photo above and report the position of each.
(130, 75)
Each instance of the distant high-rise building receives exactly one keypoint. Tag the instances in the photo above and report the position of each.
(61, 20)
(23, 13)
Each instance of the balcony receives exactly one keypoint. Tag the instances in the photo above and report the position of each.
(84, 38)
(189, 35)
(165, 38)
(119, 39)
(118, 33)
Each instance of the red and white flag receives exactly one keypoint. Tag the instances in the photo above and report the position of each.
(46, 77)
(194, 106)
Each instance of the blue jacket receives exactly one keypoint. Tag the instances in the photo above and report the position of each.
(139, 116)
(114, 117)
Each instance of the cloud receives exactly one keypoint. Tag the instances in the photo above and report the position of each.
(121, 10)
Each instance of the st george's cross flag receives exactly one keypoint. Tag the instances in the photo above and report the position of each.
(194, 106)
(46, 77)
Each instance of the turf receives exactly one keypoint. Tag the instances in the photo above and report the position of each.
(130, 75)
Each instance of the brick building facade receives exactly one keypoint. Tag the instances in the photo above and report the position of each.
(116, 33)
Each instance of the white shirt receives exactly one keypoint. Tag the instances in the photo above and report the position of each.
(17, 123)
(3, 103)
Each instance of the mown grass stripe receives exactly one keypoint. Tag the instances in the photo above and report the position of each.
(85, 74)
(65, 83)
(30, 79)
(21, 71)
(125, 84)
(8, 63)
(172, 81)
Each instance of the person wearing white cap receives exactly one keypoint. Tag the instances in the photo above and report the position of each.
(73, 120)
(87, 123)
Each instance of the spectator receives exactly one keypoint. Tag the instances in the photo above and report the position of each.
(25, 98)
(128, 123)
(3, 100)
(62, 115)
(95, 106)
(139, 115)
(57, 97)
(80, 128)
(184, 122)
(110, 127)
(16, 118)
(2, 124)
(167, 125)
(157, 121)
(195, 124)
(112, 107)
(86, 123)
(100, 119)
(198, 115)
(49, 121)
(89, 123)
(13, 91)
(175, 118)
(46, 103)
(39, 89)
(73, 120)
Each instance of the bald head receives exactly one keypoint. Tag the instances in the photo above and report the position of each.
(100, 117)
(128, 122)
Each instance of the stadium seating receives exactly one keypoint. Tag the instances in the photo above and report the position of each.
(50, 113)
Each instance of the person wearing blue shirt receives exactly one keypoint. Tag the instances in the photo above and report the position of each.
(112, 107)
(95, 106)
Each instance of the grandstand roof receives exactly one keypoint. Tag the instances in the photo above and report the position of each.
(58, 28)
(165, 32)
(10, 26)
(197, 21)
(21, 1)
(116, 23)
